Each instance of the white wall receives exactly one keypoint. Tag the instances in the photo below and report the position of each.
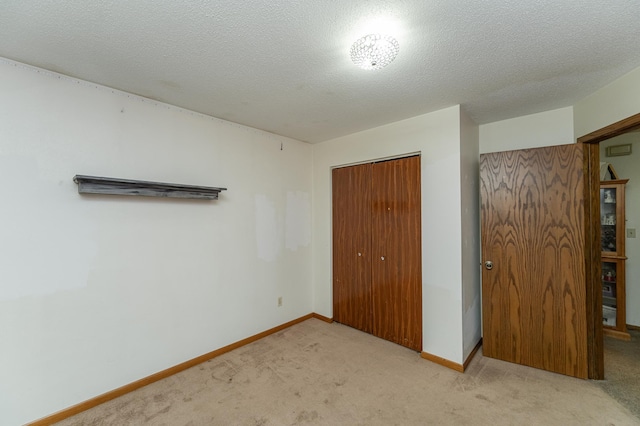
(99, 291)
(627, 168)
(436, 136)
(612, 103)
(470, 216)
(547, 128)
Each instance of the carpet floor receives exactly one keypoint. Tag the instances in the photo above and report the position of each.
(330, 374)
(622, 371)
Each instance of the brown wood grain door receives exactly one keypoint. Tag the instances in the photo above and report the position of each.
(352, 246)
(534, 299)
(397, 269)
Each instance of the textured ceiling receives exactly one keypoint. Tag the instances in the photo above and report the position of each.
(283, 66)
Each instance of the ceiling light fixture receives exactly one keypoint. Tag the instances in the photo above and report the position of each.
(374, 51)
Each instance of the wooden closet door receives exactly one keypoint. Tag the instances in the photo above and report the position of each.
(397, 267)
(352, 246)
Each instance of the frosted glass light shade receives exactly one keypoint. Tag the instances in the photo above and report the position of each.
(374, 51)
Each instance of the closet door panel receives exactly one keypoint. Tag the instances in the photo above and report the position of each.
(352, 246)
(396, 267)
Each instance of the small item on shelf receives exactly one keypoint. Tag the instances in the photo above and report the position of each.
(609, 315)
(608, 238)
(609, 290)
(609, 219)
(609, 196)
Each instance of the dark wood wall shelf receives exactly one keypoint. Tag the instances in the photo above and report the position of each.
(114, 186)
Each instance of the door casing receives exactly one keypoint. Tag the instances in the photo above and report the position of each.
(595, 342)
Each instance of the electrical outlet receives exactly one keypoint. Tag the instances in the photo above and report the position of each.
(631, 232)
(280, 301)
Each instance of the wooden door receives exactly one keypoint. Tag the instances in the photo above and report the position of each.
(377, 274)
(534, 299)
(352, 246)
(397, 269)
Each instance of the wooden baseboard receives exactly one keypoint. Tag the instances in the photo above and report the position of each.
(108, 396)
(322, 318)
(622, 335)
(450, 364)
(472, 354)
(633, 327)
(442, 361)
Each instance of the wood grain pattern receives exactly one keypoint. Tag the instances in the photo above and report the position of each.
(108, 396)
(593, 286)
(352, 246)
(376, 215)
(533, 229)
(397, 259)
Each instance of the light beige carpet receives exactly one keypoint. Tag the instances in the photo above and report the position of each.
(622, 371)
(330, 374)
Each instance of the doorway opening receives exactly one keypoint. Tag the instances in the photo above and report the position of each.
(592, 211)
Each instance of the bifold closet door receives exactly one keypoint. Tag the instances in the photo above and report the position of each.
(352, 246)
(396, 246)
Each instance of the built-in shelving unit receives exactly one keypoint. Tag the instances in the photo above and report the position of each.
(114, 186)
(612, 220)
